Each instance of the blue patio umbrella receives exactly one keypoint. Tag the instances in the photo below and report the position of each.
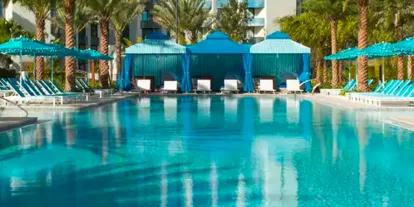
(25, 46)
(380, 50)
(404, 47)
(347, 54)
(28, 47)
(90, 54)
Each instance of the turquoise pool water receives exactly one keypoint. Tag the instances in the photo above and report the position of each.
(208, 151)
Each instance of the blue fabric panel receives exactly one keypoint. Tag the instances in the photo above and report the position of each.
(276, 65)
(186, 80)
(306, 73)
(158, 67)
(248, 79)
(218, 43)
(217, 67)
(124, 79)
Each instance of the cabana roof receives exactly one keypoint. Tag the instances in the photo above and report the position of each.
(279, 43)
(157, 43)
(218, 43)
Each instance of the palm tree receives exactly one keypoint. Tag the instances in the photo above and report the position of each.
(316, 36)
(409, 68)
(333, 11)
(193, 18)
(233, 20)
(126, 11)
(69, 8)
(103, 10)
(72, 16)
(362, 43)
(395, 16)
(41, 9)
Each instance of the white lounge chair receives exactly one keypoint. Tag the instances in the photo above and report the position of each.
(203, 85)
(144, 85)
(230, 86)
(266, 85)
(293, 85)
(170, 86)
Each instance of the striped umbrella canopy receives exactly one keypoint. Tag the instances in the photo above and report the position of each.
(28, 47)
(404, 47)
(90, 54)
(347, 54)
(379, 50)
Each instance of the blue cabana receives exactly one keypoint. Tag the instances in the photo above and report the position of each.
(278, 56)
(156, 57)
(219, 57)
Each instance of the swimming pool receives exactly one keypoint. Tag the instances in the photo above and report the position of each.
(208, 151)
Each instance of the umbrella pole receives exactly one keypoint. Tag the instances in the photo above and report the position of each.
(21, 66)
(382, 72)
(34, 68)
(356, 73)
(52, 72)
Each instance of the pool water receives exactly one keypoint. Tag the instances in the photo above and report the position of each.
(208, 151)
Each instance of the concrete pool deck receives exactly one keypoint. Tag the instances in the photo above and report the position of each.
(398, 116)
(93, 101)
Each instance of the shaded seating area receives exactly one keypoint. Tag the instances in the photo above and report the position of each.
(25, 90)
(216, 64)
(217, 58)
(392, 92)
(149, 64)
(281, 59)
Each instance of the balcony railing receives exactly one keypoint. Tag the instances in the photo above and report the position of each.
(221, 3)
(257, 22)
(252, 4)
(255, 4)
(149, 24)
(207, 4)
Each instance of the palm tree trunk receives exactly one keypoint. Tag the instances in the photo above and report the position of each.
(40, 36)
(334, 29)
(103, 48)
(400, 68)
(319, 70)
(325, 72)
(118, 49)
(362, 43)
(409, 67)
(340, 70)
(69, 6)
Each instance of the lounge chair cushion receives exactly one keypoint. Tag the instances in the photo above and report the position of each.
(144, 84)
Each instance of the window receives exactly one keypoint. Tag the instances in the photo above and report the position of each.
(1, 8)
(94, 36)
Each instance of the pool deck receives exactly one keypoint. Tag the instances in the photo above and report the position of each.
(94, 101)
(7, 123)
(398, 116)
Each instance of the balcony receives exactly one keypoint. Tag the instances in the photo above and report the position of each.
(255, 4)
(207, 4)
(221, 3)
(251, 4)
(149, 24)
(257, 22)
